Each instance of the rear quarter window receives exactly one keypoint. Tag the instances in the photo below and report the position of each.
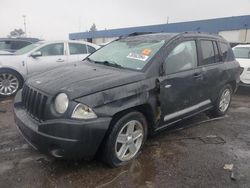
(227, 52)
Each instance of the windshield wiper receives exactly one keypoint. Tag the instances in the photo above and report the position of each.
(107, 63)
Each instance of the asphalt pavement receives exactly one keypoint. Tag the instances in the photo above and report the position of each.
(199, 152)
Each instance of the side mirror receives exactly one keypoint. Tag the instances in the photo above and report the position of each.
(36, 54)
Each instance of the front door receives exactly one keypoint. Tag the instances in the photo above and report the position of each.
(180, 87)
(52, 55)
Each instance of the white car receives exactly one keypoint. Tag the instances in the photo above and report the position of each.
(242, 55)
(38, 57)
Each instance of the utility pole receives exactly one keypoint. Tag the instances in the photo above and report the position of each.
(167, 20)
(24, 23)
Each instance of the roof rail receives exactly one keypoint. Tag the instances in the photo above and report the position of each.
(136, 34)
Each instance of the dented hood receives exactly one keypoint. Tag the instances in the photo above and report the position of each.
(82, 79)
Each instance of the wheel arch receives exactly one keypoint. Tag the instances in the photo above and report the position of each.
(146, 109)
(15, 71)
(233, 84)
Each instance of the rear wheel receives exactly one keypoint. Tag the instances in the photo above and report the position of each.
(223, 101)
(10, 82)
(126, 139)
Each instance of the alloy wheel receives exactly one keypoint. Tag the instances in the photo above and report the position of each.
(129, 140)
(225, 100)
(9, 84)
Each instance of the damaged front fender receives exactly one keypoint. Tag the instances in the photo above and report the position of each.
(114, 100)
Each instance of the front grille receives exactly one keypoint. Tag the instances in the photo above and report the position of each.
(34, 102)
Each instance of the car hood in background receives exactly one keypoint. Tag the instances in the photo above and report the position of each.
(5, 53)
(82, 79)
(244, 62)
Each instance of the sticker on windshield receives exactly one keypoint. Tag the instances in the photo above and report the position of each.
(140, 57)
(146, 51)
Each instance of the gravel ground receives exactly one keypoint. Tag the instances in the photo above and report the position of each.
(192, 154)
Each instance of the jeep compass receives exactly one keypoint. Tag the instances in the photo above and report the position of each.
(132, 87)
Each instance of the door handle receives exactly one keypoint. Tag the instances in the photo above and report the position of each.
(168, 86)
(197, 75)
(60, 60)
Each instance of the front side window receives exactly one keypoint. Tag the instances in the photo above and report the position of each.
(182, 57)
(75, 48)
(242, 52)
(208, 55)
(52, 49)
(129, 53)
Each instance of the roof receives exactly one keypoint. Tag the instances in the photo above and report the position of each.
(210, 26)
(169, 36)
(21, 39)
(151, 37)
(73, 41)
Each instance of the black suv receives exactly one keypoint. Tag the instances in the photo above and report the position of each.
(134, 86)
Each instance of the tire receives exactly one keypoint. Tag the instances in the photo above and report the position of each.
(11, 78)
(114, 153)
(218, 110)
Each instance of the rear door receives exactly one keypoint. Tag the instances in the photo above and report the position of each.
(53, 55)
(77, 52)
(213, 68)
(180, 87)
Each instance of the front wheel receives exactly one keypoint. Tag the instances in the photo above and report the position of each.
(10, 82)
(223, 101)
(126, 139)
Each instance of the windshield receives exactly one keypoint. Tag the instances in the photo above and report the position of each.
(242, 52)
(28, 48)
(132, 54)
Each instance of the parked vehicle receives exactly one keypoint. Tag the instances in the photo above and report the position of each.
(2, 52)
(39, 57)
(242, 55)
(14, 44)
(125, 90)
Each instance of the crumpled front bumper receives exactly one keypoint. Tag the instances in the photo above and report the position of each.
(64, 138)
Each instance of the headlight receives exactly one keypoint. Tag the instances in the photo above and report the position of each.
(61, 103)
(82, 111)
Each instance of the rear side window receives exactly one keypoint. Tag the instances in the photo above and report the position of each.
(227, 53)
(217, 53)
(208, 53)
(75, 48)
(91, 49)
(182, 57)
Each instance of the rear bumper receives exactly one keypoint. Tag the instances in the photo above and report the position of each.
(70, 139)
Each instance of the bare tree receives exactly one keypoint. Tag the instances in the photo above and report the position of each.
(16, 33)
